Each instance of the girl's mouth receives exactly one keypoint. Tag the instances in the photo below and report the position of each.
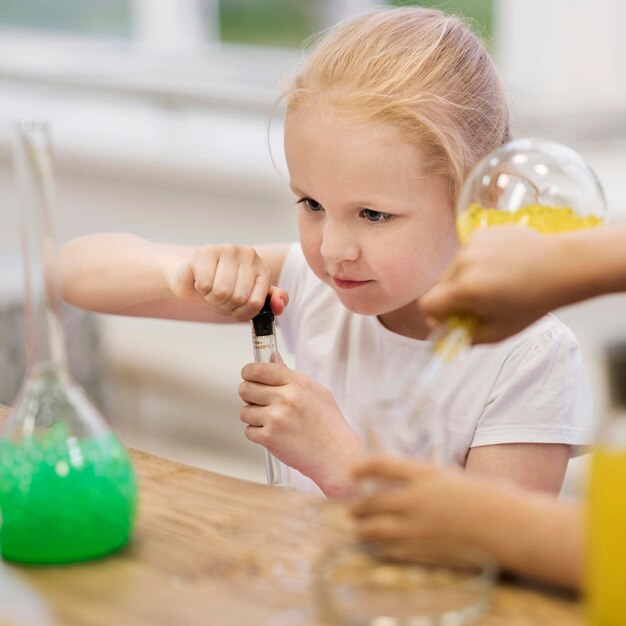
(343, 283)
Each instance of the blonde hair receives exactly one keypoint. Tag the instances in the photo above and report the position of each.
(415, 68)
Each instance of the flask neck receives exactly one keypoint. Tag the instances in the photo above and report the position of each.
(33, 165)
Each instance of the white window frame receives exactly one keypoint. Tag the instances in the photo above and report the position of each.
(170, 59)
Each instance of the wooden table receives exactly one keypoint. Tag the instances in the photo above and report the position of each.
(218, 551)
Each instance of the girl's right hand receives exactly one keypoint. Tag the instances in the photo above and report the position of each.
(233, 280)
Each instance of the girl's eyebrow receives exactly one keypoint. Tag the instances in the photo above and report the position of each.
(363, 203)
(297, 191)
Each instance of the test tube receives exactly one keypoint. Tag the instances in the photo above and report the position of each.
(264, 346)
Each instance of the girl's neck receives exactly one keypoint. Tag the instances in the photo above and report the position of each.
(408, 321)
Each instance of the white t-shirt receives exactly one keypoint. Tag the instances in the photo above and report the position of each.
(531, 388)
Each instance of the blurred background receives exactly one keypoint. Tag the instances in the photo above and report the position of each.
(160, 116)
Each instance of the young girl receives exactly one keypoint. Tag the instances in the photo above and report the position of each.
(390, 112)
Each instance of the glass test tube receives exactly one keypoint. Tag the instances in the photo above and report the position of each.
(264, 345)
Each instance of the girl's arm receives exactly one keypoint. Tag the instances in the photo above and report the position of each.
(124, 274)
(508, 277)
(527, 532)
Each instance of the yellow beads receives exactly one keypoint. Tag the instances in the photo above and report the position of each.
(544, 219)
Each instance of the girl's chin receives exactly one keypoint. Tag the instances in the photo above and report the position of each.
(363, 306)
(359, 306)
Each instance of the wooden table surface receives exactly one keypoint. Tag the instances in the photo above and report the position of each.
(213, 550)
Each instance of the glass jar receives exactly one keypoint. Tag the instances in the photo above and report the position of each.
(606, 541)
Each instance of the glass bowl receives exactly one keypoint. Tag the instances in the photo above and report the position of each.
(437, 584)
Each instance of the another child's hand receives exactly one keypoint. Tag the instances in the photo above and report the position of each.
(298, 421)
(233, 280)
(416, 501)
(505, 277)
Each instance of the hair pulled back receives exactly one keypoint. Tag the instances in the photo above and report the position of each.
(417, 69)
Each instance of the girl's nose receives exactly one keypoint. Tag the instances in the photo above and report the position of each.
(339, 243)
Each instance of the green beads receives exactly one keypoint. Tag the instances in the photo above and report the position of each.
(64, 499)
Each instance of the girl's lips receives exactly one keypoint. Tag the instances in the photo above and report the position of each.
(348, 284)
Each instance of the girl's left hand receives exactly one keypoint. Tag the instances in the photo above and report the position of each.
(299, 422)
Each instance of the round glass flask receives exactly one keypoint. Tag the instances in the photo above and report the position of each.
(528, 182)
(68, 490)
(531, 182)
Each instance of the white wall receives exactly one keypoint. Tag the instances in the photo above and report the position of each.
(565, 58)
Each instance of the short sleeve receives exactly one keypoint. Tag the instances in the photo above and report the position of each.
(541, 395)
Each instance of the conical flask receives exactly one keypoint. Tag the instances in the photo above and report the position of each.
(68, 491)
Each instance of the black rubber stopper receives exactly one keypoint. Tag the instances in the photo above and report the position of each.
(263, 321)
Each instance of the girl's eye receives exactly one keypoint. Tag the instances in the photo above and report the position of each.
(374, 216)
(311, 205)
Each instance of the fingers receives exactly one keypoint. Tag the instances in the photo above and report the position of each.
(259, 424)
(432, 322)
(255, 393)
(396, 500)
(279, 300)
(224, 282)
(276, 358)
(256, 434)
(443, 300)
(202, 268)
(272, 374)
(389, 468)
(233, 279)
(485, 332)
(249, 293)
(379, 528)
(252, 415)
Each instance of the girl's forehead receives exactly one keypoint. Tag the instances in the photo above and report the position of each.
(326, 132)
(342, 161)
(325, 111)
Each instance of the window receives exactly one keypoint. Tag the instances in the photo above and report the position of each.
(97, 17)
(275, 23)
(268, 22)
(479, 13)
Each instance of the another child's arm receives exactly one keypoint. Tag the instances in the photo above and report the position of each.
(124, 274)
(527, 532)
(537, 466)
(508, 277)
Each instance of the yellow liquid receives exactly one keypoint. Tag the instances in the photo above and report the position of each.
(606, 557)
(458, 335)
(543, 219)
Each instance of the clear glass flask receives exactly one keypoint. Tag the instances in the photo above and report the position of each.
(606, 524)
(265, 346)
(67, 487)
(535, 183)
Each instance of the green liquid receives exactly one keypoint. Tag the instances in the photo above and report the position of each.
(64, 499)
